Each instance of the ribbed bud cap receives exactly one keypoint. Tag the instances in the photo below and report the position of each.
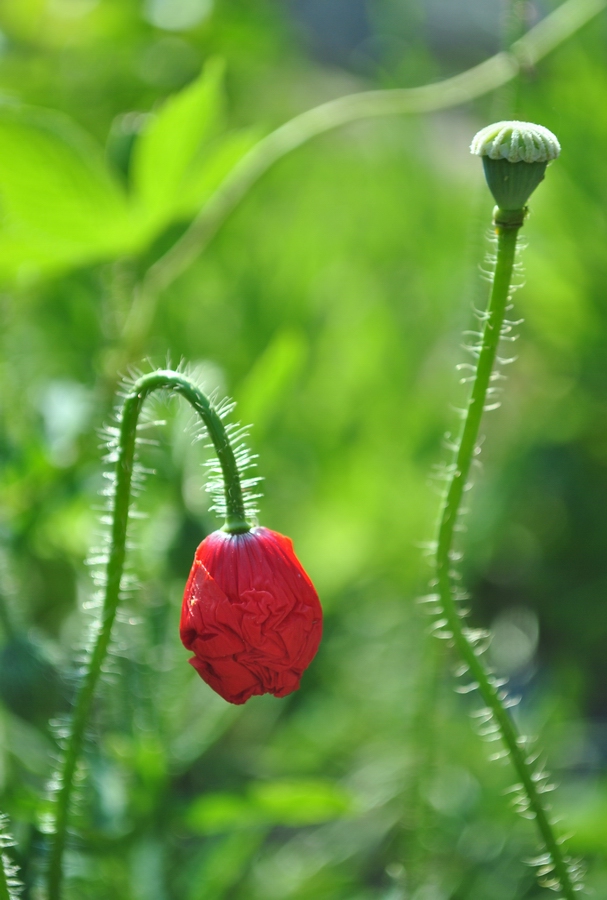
(503, 147)
(516, 142)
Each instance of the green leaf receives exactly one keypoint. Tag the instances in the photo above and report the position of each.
(219, 812)
(290, 803)
(166, 149)
(297, 803)
(59, 204)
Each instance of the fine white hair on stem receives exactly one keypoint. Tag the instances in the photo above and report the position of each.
(100, 655)
(9, 882)
(494, 724)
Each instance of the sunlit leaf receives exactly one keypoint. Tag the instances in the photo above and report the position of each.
(171, 142)
(305, 802)
(289, 803)
(219, 812)
(59, 204)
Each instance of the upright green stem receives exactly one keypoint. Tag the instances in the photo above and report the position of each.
(496, 310)
(507, 225)
(235, 523)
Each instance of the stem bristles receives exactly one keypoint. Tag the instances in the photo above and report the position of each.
(494, 719)
(114, 583)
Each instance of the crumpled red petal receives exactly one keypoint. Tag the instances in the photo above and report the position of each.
(250, 615)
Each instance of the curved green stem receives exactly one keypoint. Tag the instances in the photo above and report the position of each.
(507, 227)
(125, 459)
(489, 75)
(505, 103)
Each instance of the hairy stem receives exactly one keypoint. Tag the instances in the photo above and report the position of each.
(489, 75)
(9, 885)
(507, 226)
(4, 891)
(125, 459)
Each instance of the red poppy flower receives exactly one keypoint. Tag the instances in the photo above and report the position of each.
(250, 615)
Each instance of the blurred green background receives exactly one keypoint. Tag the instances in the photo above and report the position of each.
(330, 305)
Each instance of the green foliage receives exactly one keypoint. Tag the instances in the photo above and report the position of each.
(166, 155)
(60, 205)
(288, 803)
(63, 207)
(331, 307)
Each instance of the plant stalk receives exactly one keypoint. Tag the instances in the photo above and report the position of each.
(125, 460)
(507, 225)
(4, 891)
(10, 887)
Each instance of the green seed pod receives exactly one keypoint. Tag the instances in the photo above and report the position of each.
(515, 156)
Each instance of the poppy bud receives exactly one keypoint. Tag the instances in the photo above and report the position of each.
(250, 615)
(515, 156)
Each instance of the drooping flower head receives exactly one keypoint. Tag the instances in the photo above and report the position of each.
(250, 615)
